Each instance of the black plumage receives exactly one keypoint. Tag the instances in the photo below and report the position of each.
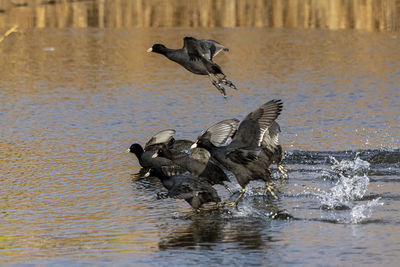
(196, 56)
(182, 185)
(148, 156)
(198, 163)
(163, 150)
(244, 156)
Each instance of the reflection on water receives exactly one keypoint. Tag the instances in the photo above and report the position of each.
(308, 14)
(344, 97)
(73, 100)
(206, 232)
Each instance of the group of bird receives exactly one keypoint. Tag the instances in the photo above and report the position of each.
(242, 149)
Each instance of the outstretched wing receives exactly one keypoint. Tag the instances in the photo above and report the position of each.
(271, 136)
(211, 48)
(162, 137)
(251, 130)
(193, 48)
(222, 132)
(206, 49)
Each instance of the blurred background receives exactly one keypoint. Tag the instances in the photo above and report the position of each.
(77, 88)
(371, 15)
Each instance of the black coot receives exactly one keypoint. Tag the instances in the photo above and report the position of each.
(148, 156)
(199, 163)
(182, 185)
(244, 156)
(196, 56)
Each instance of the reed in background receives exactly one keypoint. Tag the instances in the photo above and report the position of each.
(372, 15)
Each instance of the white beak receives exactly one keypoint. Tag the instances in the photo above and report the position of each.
(147, 174)
(128, 150)
(194, 145)
(150, 49)
(155, 155)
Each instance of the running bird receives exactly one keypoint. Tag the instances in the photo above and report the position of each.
(148, 156)
(244, 155)
(198, 163)
(183, 185)
(196, 56)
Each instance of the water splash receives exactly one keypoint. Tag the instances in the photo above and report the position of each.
(351, 187)
(361, 212)
(357, 166)
(253, 210)
(346, 190)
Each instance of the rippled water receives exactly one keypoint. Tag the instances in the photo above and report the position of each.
(73, 100)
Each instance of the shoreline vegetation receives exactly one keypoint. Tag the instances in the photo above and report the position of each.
(370, 15)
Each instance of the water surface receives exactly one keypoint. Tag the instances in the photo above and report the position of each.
(73, 100)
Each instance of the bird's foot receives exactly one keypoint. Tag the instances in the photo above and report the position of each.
(232, 204)
(283, 170)
(162, 195)
(226, 82)
(217, 85)
(271, 189)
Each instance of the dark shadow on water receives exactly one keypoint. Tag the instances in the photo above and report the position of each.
(211, 227)
(206, 232)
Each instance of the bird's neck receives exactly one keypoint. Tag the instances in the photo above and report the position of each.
(172, 54)
(138, 153)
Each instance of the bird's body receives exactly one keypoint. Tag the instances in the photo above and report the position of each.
(196, 66)
(196, 56)
(193, 190)
(198, 163)
(147, 156)
(244, 156)
(162, 150)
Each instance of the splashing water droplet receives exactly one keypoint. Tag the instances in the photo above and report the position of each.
(363, 211)
(351, 186)
(346, 190)
(357, 166)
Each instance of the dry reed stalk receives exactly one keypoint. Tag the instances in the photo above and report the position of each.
(10, 31)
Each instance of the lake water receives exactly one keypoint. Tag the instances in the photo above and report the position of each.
(73, 100)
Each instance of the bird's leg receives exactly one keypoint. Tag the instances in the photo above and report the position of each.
(236, 201)
(240, 196)
(227, 188)
(271, 189)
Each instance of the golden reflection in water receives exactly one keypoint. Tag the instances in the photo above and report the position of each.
(73, 99)
(373, 15)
